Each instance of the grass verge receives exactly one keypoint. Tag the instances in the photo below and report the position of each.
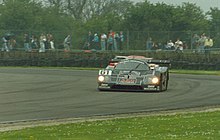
(197, 72)
(184, 126)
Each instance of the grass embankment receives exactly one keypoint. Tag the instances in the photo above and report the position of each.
(197, 72)
(184, 126)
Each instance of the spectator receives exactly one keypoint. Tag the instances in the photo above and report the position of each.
(88, 44)
(27, 47)
(42, 41)
(178, 45)
(12, 44)
(116, 41)
(5, 44)
(149, 44)
(160, 46)
(170, 45)
(50, 41)
(201, 43)
(208, 45)
(34, 44)
(121, 41)
(155, 46)
(111, 36)
(96, 41)
(67, 43)
(110, 42)
(195, 42)
(103, 41)
(185, 45)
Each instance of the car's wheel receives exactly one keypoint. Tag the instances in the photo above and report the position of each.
(163, 82)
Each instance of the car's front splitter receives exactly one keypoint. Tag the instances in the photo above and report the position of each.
(116, 87)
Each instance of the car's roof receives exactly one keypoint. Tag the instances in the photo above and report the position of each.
(121, 57)
(138, 57)
(134, 60)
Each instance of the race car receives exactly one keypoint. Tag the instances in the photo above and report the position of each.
(135, 75)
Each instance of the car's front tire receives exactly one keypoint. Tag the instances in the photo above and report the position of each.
(163, 82)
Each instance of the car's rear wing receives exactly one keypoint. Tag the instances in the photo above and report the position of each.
(118, 59)
(121, 58)
(166, 63)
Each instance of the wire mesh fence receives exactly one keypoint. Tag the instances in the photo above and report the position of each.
(132, 40)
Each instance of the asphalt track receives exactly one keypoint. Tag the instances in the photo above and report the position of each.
(39, 94)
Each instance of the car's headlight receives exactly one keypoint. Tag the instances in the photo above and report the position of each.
(101, 78)
(155, 80)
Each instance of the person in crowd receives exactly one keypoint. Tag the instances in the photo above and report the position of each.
(34, 44)
(170, 45)
(89, 42)
(195, 42)
(201, 42)
(155, 46)
(185, 45)
(110, 43)
(103, 41)
(116, 41)
(96, 41)
(67, 43)
(5, 44)
(12, 44)
(27, 46)
(149, 44)
(42, 41)
(160, 46)
(178, 45)
(121, 40)
(50, 41)
(208, 44)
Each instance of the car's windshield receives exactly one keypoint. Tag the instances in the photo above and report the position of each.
(131, 66)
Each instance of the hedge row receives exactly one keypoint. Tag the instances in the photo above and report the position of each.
(192, 61)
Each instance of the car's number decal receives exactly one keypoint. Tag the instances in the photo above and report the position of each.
(105, 72)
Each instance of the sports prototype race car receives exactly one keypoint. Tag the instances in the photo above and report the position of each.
(135, 75)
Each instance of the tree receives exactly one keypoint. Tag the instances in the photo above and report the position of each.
(19, 15)
(86, 9)
(28, 15)
(189, 17)
(163, 17)
(214, 15)
(149, 17)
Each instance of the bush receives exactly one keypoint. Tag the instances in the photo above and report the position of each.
(97, 59)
